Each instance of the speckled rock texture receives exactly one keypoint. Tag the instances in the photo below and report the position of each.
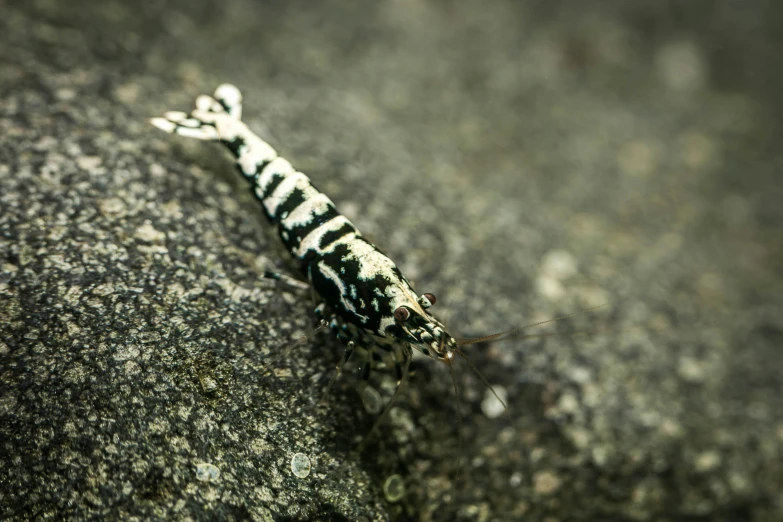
(521, 160)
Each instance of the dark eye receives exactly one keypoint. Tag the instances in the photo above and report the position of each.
(431, 298)
(401, 314)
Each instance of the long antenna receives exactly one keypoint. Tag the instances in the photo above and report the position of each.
(299, 342)
(459, 409)
(483, 379)
(463, 342)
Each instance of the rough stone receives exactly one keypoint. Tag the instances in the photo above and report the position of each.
(140, 376)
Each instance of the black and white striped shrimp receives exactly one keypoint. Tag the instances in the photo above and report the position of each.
(365, 300)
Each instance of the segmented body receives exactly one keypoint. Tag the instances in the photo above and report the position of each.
(365, 300)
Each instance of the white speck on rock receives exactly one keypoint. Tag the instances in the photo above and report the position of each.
(568, 404)
(112, 206)
(579, 437)
(550, 288)
(670, 428)
(157, 170)
(707, 461)
(89, 163)
(149, 234)
(65, 94)
(579, 374)
(558, 264)
(546, 482)
(206, 472)
(691, 370)
(132, 368)
(46, 143)
(300, 465)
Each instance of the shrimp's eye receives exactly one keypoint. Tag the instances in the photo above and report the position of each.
(431, 298)
(401, 314)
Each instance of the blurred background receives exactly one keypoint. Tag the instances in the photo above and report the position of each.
(520, 160)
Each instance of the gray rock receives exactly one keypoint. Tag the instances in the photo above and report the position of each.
(520, 160)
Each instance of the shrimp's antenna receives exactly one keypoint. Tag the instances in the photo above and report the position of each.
(459, 404)
(483, 379)
(464, 342)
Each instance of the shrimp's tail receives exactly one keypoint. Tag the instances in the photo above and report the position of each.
(212, 117)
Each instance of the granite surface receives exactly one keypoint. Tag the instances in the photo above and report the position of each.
(520, 160)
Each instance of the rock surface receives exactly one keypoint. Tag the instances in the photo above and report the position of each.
(519, 159)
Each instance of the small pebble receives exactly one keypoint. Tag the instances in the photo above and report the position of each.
(207, 472)
(491, 406)
(208, 383)
(691, 370)
(559, 264)
(148, 234)
(546, 482)
(373, 402)
(394, 488)
(300, 465)
(707, 461)
(89, 162)
(550, 288)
